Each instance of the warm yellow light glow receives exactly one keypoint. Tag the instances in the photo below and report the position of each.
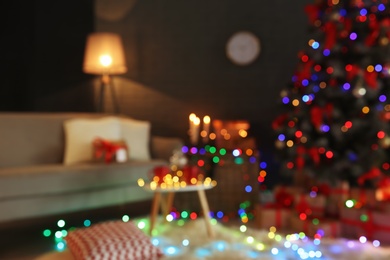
(197, 121)
(212, 136)
(272, 229)
(295, 102)
(366, 110)
(153, 185)
(290, 143)
(370, 68)
(243, 133)
(206, 119)
(203, 133)
(192, 117)
(141, 182)
(105, 60)
(104, 54)
(250, 240)
(260, 246)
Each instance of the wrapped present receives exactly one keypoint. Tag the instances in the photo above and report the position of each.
(272, 215)
(110, 151)
(382, 192)
(336, 196)
(372, 224)
(364, 197)
(311, 205)
(159, 172)
(285, 195)
(330, 228)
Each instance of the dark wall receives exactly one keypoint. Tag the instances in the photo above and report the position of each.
(177, 62)
(43, 44)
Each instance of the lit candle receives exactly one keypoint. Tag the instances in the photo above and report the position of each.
(191, 118)
(195, 132)
(206, 128)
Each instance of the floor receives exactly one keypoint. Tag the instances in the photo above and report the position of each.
(24, 240)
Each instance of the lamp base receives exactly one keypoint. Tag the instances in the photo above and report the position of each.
(107, 82)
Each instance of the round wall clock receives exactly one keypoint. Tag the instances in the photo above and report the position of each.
(243, 48)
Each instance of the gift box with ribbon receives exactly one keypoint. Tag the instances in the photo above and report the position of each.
(336, 195)
(269, 215)
(311, 205)
(364, 197)
(110, 151)
(276, 210)
(330, 228)
(372, 224)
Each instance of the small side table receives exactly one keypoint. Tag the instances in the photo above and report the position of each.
(167, 205)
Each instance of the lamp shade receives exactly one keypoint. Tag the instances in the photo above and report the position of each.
(104, 54)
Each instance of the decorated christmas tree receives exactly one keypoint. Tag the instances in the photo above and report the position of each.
(336, 109)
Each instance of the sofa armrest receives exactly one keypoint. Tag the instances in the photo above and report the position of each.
(163, 147)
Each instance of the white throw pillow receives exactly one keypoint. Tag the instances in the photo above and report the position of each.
(80, 133)
(136, 134)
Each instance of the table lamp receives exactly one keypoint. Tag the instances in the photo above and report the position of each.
(104, 55)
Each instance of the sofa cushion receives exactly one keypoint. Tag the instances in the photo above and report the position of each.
(54, 179)
(136, 135)
(80, 133)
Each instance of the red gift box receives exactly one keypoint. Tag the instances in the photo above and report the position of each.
(366, 222)
(324, 227)
(311, 206)
(364, 197)
(109, 151)
(272, 215)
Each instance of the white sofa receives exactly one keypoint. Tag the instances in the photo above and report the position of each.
(39, 178)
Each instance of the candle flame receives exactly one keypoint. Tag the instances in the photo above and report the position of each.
(192, 117)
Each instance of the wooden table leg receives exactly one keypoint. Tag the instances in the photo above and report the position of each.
(206, 211)
(170, 198)
(154, 211)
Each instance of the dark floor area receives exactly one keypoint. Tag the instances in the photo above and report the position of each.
(24, 239)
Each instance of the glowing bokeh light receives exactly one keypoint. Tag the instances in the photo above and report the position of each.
(47, 233)
(125, 218)
(376, 243)
(61, 223)
(353, 36)
(326, 52)
(325, 128)
(362, 239)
